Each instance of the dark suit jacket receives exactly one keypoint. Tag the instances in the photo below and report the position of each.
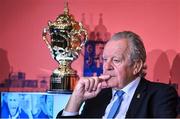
(150, 100)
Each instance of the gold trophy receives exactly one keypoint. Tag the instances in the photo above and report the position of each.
(65, 38)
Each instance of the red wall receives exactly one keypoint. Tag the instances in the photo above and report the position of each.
(156, 21)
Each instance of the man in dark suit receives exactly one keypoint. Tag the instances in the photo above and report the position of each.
(122, 91)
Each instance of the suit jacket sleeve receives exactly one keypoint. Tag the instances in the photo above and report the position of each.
(59, 115)
(165, 102)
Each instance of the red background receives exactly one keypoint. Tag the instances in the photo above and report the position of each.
(156, 21)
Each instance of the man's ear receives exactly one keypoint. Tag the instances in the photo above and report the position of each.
(137, 66)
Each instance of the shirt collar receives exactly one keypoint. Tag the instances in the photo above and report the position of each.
(16, 115)
(130, 88)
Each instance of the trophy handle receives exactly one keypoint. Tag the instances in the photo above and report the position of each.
(44, 34)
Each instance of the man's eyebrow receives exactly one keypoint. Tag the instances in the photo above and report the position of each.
(120, 57)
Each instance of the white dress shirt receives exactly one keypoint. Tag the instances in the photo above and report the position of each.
(127, 97)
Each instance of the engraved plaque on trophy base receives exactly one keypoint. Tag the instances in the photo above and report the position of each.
(63, 84)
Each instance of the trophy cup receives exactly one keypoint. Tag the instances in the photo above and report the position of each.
(65, 38)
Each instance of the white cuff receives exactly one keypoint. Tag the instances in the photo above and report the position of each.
(65, 113)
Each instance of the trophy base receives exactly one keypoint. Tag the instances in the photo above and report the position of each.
(62, 84)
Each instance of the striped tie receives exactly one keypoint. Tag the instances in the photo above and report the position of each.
(115, 108)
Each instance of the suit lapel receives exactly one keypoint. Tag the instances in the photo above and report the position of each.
(137, 99)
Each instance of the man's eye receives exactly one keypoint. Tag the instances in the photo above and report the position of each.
(104, 59)
(116, 61)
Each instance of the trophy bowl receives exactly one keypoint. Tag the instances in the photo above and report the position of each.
(65, 38)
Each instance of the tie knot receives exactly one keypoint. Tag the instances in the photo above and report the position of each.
(119, 93)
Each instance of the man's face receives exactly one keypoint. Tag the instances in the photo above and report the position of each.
(13, 103)
(117, 63)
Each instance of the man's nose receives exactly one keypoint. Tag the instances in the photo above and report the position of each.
(108, 65)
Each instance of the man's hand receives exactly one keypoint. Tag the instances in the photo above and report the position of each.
(86, 88)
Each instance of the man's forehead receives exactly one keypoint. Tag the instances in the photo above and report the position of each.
(114, 45)
(13, 96)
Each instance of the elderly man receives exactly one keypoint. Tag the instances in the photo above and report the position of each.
(122, 91)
